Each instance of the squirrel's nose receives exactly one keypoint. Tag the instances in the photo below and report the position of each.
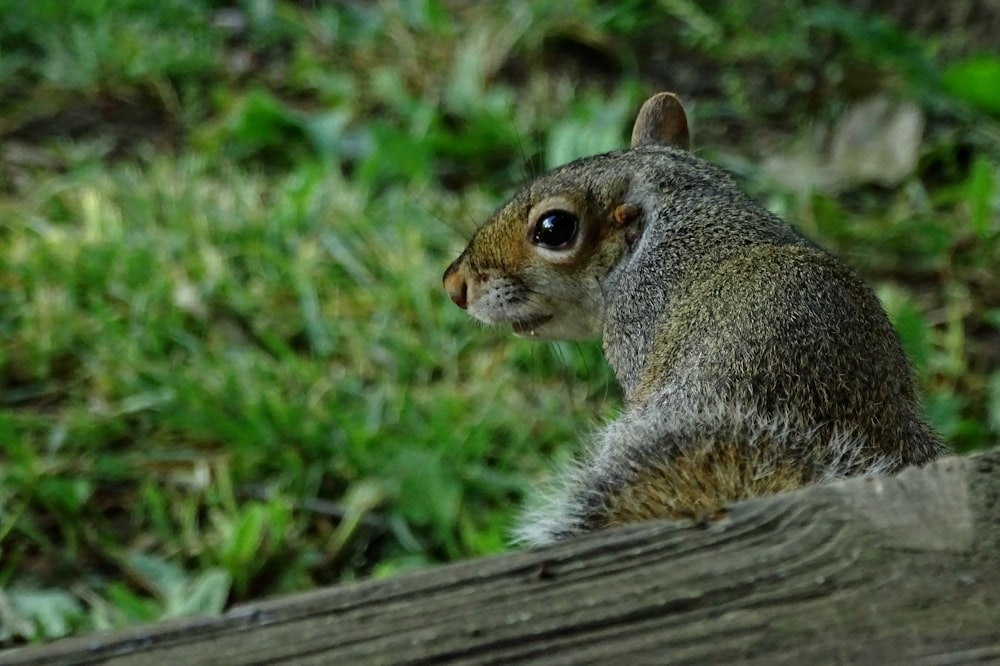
(457, 287)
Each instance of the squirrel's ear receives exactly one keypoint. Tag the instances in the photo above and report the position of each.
(662, 121)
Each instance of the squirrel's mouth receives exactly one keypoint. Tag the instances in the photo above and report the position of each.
(528, 326)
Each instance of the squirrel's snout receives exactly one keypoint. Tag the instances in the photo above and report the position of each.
(457, 287)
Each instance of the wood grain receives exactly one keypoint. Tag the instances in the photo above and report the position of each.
(891, 570)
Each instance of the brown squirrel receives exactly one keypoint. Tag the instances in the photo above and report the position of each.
(752, 361)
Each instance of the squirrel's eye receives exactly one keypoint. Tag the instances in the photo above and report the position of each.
(555, 229)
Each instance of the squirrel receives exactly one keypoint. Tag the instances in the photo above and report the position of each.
(752, 361)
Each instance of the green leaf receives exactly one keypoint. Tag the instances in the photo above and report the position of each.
(67, 494)
(976, 81)
(910, 323)
(181, 594)
(245, 541)
(428, 493)
(125, 606)
(261, 125)
(37, 614)
(944, 411)
(204, 595)
(164, 577)
(981, 191)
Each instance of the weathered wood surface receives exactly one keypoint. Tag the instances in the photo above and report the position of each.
(899, 570)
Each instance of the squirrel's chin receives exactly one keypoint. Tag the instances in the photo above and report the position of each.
(550, 328)
(530, 328)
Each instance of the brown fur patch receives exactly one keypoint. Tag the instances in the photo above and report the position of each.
(698, 484)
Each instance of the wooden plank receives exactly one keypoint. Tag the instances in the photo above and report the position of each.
(893, 570)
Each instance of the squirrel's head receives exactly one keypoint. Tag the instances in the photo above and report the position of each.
(540, 262)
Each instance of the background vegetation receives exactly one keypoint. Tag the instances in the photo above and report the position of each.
(227, 367)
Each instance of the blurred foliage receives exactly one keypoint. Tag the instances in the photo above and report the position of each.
(227, 367)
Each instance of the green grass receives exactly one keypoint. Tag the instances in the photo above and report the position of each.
(227, 366)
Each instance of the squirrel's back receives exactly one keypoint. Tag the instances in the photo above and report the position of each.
(752, 361)
(775, 370)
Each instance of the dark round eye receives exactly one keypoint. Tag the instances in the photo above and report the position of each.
(555, 229)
